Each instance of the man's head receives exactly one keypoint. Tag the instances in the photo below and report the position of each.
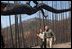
(46, 28)
(40, 30)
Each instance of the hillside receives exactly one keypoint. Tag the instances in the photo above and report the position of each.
(31, 28)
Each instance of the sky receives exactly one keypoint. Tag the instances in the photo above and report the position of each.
(5, 19)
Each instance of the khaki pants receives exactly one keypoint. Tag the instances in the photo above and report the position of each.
(49, 42)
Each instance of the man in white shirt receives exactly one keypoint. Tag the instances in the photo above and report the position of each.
(41, 36)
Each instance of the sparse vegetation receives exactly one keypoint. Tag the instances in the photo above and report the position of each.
(31, 28)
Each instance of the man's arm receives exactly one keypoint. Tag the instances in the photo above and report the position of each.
(37, 34)
(41, 36)
(53, 35)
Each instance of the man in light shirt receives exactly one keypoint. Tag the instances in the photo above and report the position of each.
(41, 36)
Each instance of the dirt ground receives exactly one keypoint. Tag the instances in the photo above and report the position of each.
(62, 45)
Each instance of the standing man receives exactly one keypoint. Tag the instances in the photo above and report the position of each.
(49, 35)
(41, 36)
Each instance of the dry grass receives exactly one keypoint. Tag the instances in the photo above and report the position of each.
(62, 45)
